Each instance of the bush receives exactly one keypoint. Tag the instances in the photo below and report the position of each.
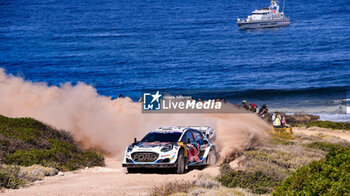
(53, 158)
(329, 125)
(206, 181)
(9, 178)
(329, 176)
(257, 181)
(268, 165)
(36, 172)
(26, 141)
(326, 146)
(14, 177)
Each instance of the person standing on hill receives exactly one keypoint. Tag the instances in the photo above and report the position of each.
(276, 119)
(252, 107)
(244, 105)
(263, 111)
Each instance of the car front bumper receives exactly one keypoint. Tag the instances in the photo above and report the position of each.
(156, 165)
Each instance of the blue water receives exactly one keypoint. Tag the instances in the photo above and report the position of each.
(123, 47)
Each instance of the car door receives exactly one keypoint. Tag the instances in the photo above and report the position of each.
(192, 152)
(199, 143)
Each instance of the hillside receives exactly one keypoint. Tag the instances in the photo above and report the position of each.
(27, 142)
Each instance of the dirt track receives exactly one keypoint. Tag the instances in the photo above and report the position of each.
(109, 180)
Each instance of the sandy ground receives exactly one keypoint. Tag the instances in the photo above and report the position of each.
(113, 180)
(109, 180)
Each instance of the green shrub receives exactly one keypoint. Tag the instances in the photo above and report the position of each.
(26, 141)
(87, 159)
(329, 176)
(52, 158)
(225, 168)
(9, 178)
(28, 158)
(326, 146)
(329, 125)
(256, 182)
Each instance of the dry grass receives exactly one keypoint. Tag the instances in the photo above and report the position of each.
(16, 176)
(222, 191)
(280, 160)
(172, 187)
(206, 181)
(36, 172)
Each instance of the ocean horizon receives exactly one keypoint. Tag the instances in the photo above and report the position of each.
(122, 47)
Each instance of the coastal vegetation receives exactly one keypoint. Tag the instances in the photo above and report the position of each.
(328, 176)
(285, 165)
(290, 167)
(329, 125)
(26, 143)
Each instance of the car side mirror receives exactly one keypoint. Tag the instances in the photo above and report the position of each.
(135, 140)
(207, 135)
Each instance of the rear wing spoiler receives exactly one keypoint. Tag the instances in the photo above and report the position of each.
(207, 131)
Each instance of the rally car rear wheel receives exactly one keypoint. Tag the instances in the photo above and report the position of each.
(181, 161)
(211, 160)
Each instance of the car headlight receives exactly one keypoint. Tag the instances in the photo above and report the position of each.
(167, 148)
(130, 148)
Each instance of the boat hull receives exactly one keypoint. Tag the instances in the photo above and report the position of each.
(260, 24)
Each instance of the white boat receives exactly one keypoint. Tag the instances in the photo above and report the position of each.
(265, 18)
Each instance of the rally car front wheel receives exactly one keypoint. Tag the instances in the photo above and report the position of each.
(181, 162)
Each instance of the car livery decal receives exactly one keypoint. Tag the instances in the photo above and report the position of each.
(151, 144)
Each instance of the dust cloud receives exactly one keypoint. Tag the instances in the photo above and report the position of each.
(109, 125)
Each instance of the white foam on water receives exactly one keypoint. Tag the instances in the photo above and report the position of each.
(335, 117)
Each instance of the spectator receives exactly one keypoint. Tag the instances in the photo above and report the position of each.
(284, 123)
(263, 111)
(244, 105)
(276, 119)
(224, 100)
(252, 107)
(121, 96)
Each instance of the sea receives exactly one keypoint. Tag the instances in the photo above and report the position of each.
(190, 46)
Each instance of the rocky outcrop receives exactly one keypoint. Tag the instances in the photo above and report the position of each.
(299, 118)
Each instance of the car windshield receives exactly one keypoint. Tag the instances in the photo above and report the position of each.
(162, 137)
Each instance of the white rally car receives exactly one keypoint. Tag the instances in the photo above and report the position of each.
(172, 147)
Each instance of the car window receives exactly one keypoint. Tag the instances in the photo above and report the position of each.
(187, 135)
(162, 137)
(197, 136)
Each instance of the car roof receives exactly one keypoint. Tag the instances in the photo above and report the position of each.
(171, 129)
(175, 129)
